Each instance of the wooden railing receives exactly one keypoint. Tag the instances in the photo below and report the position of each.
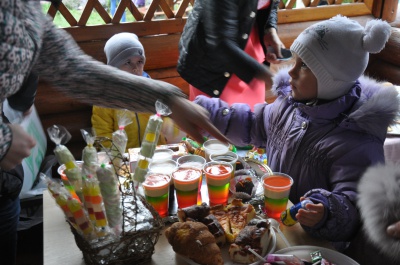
(290, 10)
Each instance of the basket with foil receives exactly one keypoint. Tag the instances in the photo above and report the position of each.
(111, 223)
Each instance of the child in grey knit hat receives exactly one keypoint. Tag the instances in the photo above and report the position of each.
(326, 126)
(126, 52)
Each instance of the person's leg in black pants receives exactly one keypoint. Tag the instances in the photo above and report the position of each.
(9, 217)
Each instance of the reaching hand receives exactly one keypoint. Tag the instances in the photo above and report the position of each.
(193, 118)
(21, 146)
(271, 39)
(394, 230)
(312, 215)
(265, 76)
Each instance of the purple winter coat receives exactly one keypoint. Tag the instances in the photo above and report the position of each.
(324, 148)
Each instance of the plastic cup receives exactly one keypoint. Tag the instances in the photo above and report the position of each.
(186, 181)
(197, 162)
(229, 157)
(213, 146)
(218, 176)
(276, 193)
(156, 191)
(162, 154)
(165, 167)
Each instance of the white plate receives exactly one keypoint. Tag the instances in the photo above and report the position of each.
(225, 252)
(303, 252)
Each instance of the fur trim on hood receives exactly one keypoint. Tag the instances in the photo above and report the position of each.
(376, 109)
(379, 203)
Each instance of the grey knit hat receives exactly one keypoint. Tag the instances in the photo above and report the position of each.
(122, 46)
(337, 51)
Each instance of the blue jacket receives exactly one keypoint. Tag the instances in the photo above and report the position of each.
(325, 148)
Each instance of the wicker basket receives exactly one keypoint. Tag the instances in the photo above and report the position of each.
(141, 228)
(133, 247)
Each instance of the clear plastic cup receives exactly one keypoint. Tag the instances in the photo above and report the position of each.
(218, 176)
(214, 146)
(276, 193)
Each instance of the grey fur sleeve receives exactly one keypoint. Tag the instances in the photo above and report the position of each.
(379, 203)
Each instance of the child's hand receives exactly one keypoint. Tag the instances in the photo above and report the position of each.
(311, 215)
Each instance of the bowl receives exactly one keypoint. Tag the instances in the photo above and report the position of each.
(246, 192)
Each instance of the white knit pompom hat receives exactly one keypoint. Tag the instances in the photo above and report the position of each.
(337, 51)
(122, 46)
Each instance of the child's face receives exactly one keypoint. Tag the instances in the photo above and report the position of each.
(133, 65)
(303, 82)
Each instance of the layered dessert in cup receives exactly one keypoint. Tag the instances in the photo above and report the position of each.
(156, 191)
(218, 175)
(186, 181)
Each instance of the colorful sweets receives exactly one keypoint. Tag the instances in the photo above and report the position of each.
(195, 161)
(186, 182)
(218, 175)
(111, 196)
(149, 142)
(94, 201)
(276, 193)
(156, 190)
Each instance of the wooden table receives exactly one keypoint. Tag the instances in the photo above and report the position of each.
(60, 247)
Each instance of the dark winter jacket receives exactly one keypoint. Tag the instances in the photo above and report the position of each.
(325, 148)
(213, 40)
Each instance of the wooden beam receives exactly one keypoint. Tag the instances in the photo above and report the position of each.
(289, 32)
(389, 11)
(141, 28)
(391, 52)
(321, 13)
(384, 71)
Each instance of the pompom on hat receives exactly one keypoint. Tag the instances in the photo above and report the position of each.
(122, 46)
(337, 51)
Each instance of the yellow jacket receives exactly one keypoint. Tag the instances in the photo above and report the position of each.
(105, 122)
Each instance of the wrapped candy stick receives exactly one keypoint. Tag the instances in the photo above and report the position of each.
(71, 207)
(87, 201)
(111, 196)
(96, 201)
(58, 134)
(149, 142)
(89, 153)
(81, 219)
(120, 137)
(59, 194)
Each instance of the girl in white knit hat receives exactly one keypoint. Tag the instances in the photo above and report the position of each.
(126, 52)
(326, 126)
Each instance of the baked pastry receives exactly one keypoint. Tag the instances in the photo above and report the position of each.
(215, 228)
(195, 212)
(193, 240)
(240, 215)
(234, 217)
(256, 236)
